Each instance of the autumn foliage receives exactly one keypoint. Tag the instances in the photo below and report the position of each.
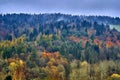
(55, 66)
(17, 68)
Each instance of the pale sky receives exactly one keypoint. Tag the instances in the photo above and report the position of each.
(75, 7)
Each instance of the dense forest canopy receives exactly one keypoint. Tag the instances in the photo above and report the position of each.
(59, 47)
(19, 24)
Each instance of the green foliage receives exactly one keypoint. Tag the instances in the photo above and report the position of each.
(75, 48)
(10, 48)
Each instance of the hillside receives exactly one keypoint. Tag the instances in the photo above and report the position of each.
(59, 47)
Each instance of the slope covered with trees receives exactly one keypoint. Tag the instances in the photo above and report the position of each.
(59, 47)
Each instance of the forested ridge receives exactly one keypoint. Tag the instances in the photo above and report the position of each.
(59, 47)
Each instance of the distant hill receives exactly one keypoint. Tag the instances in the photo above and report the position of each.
(18, 24)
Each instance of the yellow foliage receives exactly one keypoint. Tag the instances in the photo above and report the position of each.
(14, 42)
(115, 76)
(84, 63)
(52, 60)
(13, 66)
(21, 62)
(17, 68)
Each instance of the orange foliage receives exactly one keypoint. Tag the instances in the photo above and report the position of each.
(55, 65)
(56, 54)
(50, 55)
(109, 44)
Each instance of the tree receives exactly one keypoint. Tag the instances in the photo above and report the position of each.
(17, 69)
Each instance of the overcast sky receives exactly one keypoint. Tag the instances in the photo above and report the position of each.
(77, 7)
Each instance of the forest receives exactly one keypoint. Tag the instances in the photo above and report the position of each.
(59, 47)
